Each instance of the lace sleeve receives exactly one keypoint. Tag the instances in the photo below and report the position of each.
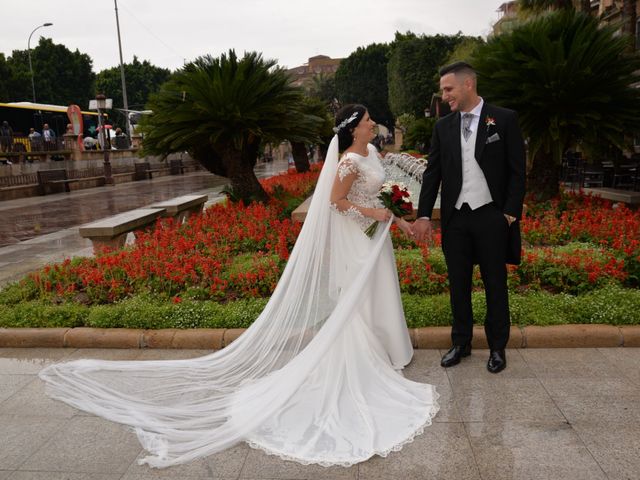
(346, 167)
(347, 174)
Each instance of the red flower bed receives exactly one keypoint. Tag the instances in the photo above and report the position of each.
(234, 251)
(578, 217)
(230, 251)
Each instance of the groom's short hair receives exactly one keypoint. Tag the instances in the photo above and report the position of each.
(458, 67)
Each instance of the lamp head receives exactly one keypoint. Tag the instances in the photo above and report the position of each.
(47, 24)
(101, 101)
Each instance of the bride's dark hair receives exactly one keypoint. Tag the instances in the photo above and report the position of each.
(353, 112)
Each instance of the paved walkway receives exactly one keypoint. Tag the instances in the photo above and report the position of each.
(570, 414)
(38, 230)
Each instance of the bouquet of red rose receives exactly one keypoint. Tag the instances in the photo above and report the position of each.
(394, 196)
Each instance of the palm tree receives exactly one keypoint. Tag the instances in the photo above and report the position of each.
(585, 6)
(629, 19)
(569, 78)
(323, 86)
(315, 107)
(221, 110)
(539, 6)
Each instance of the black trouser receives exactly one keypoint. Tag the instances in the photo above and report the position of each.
(478, 236)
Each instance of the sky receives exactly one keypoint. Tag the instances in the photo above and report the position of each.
(169, 33)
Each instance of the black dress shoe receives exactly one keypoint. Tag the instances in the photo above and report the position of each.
(455, 353)
(497, 361)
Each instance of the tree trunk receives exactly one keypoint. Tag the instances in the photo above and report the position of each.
(324, 148)
(238, 167)
(629, 20)
(244, 183)
(565, 4)
(585, 6)
(543, 181)
(300, 157)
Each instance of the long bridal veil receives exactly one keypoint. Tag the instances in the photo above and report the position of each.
(185, 409)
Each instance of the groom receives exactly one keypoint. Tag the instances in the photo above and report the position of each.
(477, 154)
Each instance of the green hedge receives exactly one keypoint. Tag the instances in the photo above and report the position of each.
(610, 305)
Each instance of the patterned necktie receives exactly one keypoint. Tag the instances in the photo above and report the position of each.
(466, 125)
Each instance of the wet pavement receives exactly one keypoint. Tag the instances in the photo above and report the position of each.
(569, 414)
(35, 231)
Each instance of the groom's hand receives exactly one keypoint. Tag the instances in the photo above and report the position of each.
(423, 230)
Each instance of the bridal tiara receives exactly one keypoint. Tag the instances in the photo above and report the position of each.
(346, 122)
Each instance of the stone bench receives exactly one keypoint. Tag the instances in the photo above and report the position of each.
(300, 213)
(112, 231)
(48, 178)
(143, 171)
(176, 167)
(615, 195)
(182, 207)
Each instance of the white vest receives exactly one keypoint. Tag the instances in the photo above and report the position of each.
(475, 190)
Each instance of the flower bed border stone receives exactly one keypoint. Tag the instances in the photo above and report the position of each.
(533, 336)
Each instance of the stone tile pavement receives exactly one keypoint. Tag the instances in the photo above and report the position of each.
(553, 414)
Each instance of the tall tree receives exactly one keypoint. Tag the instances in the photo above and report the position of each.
(221, 110)
(412, 70)
(464, 50)
(323, 87)
(538, 6)
(61, 76)
(570, 80)
(317, 108)
(5, 79)
(362, 78)
(142, 79)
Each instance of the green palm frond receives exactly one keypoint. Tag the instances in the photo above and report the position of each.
(225, 102)
(542, 5)
(569, 78)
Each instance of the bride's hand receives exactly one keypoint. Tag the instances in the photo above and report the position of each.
(405, 226)
(381, 214)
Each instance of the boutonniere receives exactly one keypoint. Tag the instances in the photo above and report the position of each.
(490, 121)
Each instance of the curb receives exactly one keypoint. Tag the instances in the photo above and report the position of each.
(554, 336)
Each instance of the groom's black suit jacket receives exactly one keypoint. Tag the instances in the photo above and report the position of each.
(502, 161)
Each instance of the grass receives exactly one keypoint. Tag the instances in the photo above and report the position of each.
(610, 305)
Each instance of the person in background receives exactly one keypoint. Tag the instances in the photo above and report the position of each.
(6, 137)
(121, 141)
(90, 143)
(35, 139)
(49, 137)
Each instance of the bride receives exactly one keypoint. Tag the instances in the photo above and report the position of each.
(317, 377)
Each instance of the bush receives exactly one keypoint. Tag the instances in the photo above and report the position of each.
(39, 315)
(141, 312)
(612, 305)
(418, 135)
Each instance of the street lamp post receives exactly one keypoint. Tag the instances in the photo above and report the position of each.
(102, 103)
(124, 83)
(33, 83)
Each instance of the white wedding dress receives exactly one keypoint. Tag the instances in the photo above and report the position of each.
(317, 377)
